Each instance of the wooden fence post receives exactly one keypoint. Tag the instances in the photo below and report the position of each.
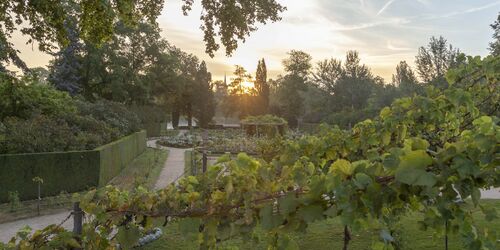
(205, 161)
(77, 218)
(194, 168)
(446, 235)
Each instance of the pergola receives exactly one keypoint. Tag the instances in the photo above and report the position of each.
(255, 128)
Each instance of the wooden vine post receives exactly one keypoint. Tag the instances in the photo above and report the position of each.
(39, 182)
(204, 161)
(77, 218)
(347, 238)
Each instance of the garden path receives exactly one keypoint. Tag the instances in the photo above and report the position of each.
(172, 169)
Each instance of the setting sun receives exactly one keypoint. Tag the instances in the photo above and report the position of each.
(247, 86)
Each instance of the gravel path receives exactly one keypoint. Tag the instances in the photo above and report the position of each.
(9, 229)
(173, 168)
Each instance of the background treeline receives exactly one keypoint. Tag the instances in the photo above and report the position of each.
(93, 94)
(336, 91)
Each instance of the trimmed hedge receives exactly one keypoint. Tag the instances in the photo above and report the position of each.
(115, 156)
(67, 171)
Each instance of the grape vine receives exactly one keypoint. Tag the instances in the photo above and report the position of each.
(422, 154)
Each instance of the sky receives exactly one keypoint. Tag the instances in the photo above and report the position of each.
(384, 32)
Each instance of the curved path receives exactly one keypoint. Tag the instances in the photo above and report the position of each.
(172, 170)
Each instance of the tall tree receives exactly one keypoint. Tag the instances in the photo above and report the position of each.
(204, 106)
(292, 85)
(239, 101)
(356, 84)
(118, 70)
(65, 69)
(495, 45)
(327, 73)
(262, 87)
(298, 63)
(434, 61)
(405, 79)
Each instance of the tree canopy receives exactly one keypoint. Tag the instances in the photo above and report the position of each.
(44, 21)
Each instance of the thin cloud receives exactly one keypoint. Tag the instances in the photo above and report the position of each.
(386, 5)
(470, 10)
(340, 27)
(395, 48)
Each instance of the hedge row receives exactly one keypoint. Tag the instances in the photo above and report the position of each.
(116, 155)
(67, 171)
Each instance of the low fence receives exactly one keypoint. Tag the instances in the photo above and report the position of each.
(67, 171)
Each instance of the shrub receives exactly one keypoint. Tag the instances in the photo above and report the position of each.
(347, 118)
(17, 99)
(38, 118)
(14, 202)
(114, 114)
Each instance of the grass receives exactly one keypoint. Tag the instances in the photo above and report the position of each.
(143, 170)
(328, 234)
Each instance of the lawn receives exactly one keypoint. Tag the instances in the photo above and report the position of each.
(328, 235)
(143, 170)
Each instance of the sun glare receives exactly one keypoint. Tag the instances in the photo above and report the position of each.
(248, 85)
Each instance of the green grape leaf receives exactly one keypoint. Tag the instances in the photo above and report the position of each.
(418, 144)
(412, 171)
(417, 177)
(342, 166)
(386, 138)
(269, 220)
(311, 213)
(288, 204)
(331, 211)
(418, 159)
(362, 180)
(128, 236)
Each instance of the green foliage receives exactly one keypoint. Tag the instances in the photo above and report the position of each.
(23, 99)
(264, 119)
(495, 44)
(204, 107)
(113, 114)
(44, 22)
(290, 87)
(262, 87)
(14, 202)
(39, 118)
(434, 60)
(346, 118)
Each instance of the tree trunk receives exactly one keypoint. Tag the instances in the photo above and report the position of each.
(189, 114)
(175, 116)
